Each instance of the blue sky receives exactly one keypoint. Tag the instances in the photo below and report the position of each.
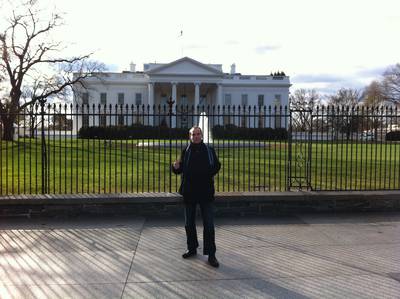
(321, 44)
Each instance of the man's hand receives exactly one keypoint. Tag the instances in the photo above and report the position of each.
(176, 164)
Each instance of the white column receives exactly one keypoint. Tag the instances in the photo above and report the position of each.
(150, 87)
(151, 93)
(219, 111)
(196, 102)
(219, 95)
(196, 94)
(173, 93)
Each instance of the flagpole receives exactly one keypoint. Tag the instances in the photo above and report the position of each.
(181, 38)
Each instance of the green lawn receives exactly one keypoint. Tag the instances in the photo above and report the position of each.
(96, 166)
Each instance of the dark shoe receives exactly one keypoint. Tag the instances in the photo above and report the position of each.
(212, 260)
(189, 253)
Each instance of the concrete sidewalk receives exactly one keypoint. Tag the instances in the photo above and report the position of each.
(301, 256)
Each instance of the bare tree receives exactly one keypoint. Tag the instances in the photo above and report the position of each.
(345, 97)
(302, 102)
(305, 99)
(391, 83)
(342, 118)
(373, 94)
(28, 117)
(29, 61)
(61, 122)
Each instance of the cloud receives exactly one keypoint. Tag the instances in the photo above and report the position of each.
(195, 46)
(266, 48)
(393, 20)
(111, 67)
(327, 84)
(317, 78)
(371, 72)
(232, 43)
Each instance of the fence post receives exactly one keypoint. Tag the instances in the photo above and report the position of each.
(289, 160)
(309, 158)
(170, 104)
(43, 150)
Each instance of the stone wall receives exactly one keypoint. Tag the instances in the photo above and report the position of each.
(170, 204)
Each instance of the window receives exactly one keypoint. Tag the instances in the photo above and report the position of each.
(103, 98)
(184, 100)
(103, 120)
(121, 119)
(202, 103)
(260, 100)
(121, 97)
(277, 101)
(228, 99)
(161, 111)
(203, 100)
(163, 101)
(139, 117)
(85, 98)
(85, 120)
(138, 99)
(85, 116)
(245, 100)
(261, 118)
(103, 110)
(227, 112)
(278, 116)
(244, 103)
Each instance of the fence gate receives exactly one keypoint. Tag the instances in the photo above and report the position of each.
(299, 141)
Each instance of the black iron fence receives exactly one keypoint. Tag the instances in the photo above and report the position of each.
(61, 149)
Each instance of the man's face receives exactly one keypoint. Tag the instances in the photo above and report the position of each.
(196, 136)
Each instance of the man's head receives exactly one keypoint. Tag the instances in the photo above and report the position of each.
(195, 134)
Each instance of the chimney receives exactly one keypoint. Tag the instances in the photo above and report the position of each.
(132, 67)
(233, 69)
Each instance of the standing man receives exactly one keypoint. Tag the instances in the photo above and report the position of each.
(198, 165)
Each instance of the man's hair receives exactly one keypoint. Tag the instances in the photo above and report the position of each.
(195, 127)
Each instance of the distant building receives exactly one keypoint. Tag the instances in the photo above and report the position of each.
(186, 81)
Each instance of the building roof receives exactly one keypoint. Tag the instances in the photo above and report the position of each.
(185, 61)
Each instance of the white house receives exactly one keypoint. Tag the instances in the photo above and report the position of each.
(185, 81)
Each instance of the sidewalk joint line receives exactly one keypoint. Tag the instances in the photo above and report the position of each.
(133, 258)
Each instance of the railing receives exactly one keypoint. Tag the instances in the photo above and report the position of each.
(351, 148)
(108, 149)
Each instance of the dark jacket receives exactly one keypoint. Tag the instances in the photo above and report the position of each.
(199, 164)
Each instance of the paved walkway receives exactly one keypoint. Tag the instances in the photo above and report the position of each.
(304, 256)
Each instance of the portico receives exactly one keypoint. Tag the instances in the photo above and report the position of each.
(185, 77)
(193, 88)
(188, 97)
(191, 94)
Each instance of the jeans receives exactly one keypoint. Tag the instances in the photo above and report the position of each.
(207, 214)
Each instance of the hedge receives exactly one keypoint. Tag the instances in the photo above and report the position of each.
(241, 133)
(393, 136)
(138, 131)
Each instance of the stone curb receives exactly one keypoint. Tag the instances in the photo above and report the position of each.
(232, 203)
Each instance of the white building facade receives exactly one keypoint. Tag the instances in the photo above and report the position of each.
(187, 82)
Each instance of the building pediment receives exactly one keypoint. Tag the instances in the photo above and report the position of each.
(185, 66)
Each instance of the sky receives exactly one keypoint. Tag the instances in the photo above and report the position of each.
(320, 44)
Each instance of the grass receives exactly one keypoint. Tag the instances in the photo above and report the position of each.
(96, 166)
